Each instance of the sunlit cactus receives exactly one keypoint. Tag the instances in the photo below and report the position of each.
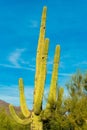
(34, 117)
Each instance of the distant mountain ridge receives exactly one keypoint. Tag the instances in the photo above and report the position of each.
(5, 105)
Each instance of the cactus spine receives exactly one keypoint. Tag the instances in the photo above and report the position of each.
(34, 117)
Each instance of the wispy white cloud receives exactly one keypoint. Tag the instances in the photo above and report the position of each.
(8, 66)
(81, 63)
(61, 64)
(60, 74)
(17, 62)
(13, 97)
(17, 67)
(33, 24)
(50, 63)
(65, 56)
(32, 68)
(65, 74)
(24, 62)
(15, 56)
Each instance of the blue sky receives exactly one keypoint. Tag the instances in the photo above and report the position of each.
(19, 30)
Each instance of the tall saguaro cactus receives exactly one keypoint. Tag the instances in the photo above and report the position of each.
(34, 117)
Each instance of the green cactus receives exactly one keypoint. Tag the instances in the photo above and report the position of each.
(34, 117)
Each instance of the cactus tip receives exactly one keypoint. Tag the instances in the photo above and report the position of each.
(20, 80)
(45, 7)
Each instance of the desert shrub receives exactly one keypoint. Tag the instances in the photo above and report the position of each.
(7, 123)
(72, 113)
(68, 113)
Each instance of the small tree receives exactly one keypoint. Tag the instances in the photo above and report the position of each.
(77, 102)
(71, 112)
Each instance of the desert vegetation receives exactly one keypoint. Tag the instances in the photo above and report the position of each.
(7, 123)
(68, 113)
(60, 113)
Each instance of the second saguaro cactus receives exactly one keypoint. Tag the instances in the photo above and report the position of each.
(34, 117)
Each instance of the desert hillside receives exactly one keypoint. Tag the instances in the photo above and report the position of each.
(5, 105)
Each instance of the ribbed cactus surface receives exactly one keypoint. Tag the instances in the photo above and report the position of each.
(34, 117)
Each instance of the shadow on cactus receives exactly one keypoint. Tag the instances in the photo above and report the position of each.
(37, 116)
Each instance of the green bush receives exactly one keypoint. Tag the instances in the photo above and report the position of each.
(7, 123)
(69, 113)
(72, 113)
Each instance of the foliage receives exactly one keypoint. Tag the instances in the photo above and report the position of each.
(68, 113)
(7, 123)
(72, 113)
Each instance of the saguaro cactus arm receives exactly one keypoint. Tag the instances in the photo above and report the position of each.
(23, 104)
(41, 79)
(17, 119)
(41, 40)
(53, 86)
(60, 96)
(35, 117)
(40, 47)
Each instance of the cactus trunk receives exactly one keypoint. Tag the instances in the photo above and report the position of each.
(36, 124)
(37, 116)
